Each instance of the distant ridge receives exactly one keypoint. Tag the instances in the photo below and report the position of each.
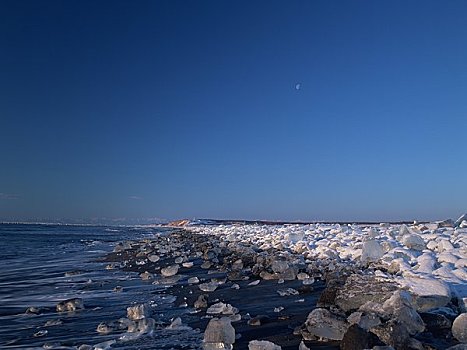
(195, 222)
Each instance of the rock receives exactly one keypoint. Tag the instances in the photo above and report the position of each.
(106, 327)
(435, 323)
(262, 345)
(258, 320)
(206, 265)
(178, 260)
(371, 251)
(188, 264)
(429, 293)
(279, 266)
(288, 275)
(359, 289)
(168, 281)
(413, 241)
(105, 345)
(287, 292)
(459, 328)
(146, 276)
(193, 280)
(459, 221)
(146, 326)
(201, 302)
(265, 275)
(153, 258)
(237, 265)
(446, 223)
(399, 305)
(321, 323)
(138, 312)
(32, 310)
(444, 245)
(365, 321)
(327, 297)
(51, 323)
(392, 333)
(40, 333)
(219, 334)
(356, 338)
(85, 347)
(208, 287)
(170, 270)
(177, 325)
(221, 308)
(302, 346)
(70, 305)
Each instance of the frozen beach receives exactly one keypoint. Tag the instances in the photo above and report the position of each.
(356, 286)
(256, 286)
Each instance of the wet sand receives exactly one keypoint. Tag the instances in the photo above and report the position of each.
(251, 300)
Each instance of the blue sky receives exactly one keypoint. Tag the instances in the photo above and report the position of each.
(176, 109)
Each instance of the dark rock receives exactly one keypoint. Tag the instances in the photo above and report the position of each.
(327, 297)
(436, 323)
(305, 289)
(393, 333)
(356, 338)
(258, 320)
(235, 276)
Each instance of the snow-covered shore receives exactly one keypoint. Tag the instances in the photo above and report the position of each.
(429, 258)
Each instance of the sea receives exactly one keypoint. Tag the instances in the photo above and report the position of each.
(43, 264)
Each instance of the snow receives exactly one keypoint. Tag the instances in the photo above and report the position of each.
(428, 259)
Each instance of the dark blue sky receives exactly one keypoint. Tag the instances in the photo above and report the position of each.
(190, 109)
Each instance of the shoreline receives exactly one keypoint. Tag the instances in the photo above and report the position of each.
(225, 259)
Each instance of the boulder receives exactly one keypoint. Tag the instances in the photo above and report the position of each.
(459, 328)
(413, 241)
(356, 338)
(364, 320)
(208, 287)
(459, 221)
(359, 289)
(428, 293)
(435, 323)
(259, 320)
(279, 266)
(371, 251)
(262, 345)
(221, 308)
(393, 333)
(322, 323)
(399, 306)
(219, 334)
(170, 270)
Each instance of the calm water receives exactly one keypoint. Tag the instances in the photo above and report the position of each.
(34, 260)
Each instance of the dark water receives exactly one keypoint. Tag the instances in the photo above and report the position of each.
(34, 260)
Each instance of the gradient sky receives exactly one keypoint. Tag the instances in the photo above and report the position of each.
(174, 109)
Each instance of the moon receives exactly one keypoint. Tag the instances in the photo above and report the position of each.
(298, 86)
